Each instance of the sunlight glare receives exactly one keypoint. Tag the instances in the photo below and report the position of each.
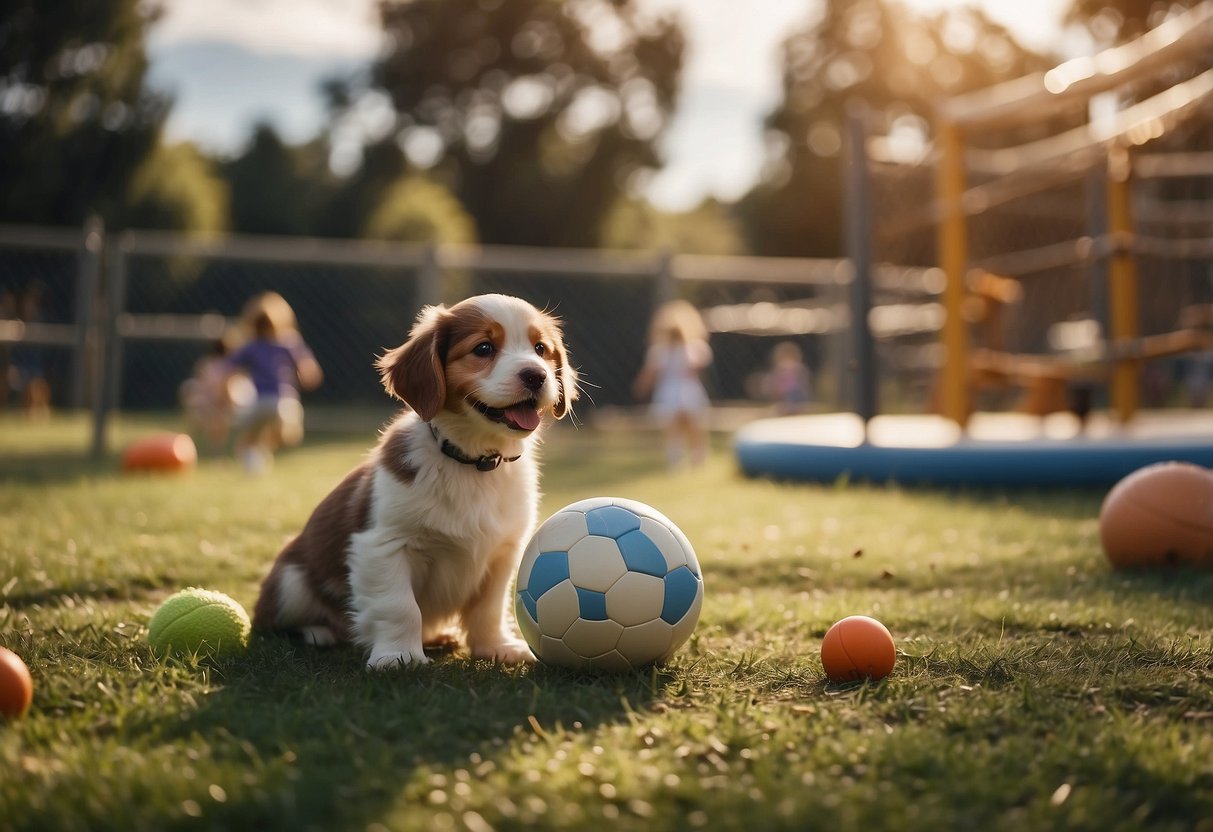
(1037, 23)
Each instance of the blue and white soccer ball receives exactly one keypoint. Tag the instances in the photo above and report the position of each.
(609, 584)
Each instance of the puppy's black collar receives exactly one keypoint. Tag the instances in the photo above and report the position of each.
(487, 462)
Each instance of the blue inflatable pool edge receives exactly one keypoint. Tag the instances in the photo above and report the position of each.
(768, 448)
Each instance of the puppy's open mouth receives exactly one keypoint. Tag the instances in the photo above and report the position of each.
(523, 416)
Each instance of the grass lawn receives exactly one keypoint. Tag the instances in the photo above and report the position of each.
(1034, 687)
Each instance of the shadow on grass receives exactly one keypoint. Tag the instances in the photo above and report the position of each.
(128, 588)
(53, 467)
(1178, 587)
(320, 728)
(585, 461)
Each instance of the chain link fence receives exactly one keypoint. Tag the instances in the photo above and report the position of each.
(117, 324)
(127, 341)
(48, 283)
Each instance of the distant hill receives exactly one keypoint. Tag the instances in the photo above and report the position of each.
(222, 89)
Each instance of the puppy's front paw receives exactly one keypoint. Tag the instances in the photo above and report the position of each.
(508, 651)
(389, 657)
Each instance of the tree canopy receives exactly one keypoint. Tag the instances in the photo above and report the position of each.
(536, 119)
(76, 118)
(536, 113)
(276, 188)
(895, 62)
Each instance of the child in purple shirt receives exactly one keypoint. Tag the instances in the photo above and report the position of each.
(278, 363)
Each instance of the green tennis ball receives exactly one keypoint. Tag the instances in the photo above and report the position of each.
(198, 622)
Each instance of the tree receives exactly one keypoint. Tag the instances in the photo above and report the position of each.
(177, 187)
(705, 229)
(538, 113)
(276, 188)
(418, 210)
(76, 119)
(898, 65)
(348, 208)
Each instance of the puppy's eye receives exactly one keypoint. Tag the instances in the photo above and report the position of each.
(541, 348)
(484, 349)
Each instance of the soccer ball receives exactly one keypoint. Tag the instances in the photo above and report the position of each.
(608, 584)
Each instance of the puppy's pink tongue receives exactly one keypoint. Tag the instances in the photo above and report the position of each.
(523, 417)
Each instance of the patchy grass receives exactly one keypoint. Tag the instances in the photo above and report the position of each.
(1034, 687)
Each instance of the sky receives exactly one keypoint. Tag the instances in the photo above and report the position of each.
(230, 63)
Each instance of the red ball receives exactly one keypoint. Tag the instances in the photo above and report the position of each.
(858, 647)
(166, 452)
(1160, 515)
(16, 685)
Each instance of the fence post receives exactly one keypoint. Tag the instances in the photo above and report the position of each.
(664, 289)
(857, 201)
(88, 276)
(429, 278)
(111, 344)
(1123, 302)
(1097, 230)
(952, 242)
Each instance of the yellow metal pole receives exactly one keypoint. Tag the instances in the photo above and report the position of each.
(952, 251)
(1123, 301)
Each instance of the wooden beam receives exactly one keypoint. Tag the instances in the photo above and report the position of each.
(952, 245)
(1123, 302)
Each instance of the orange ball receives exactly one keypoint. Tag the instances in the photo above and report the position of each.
(161, 452)
(16, 685)
(858, 647)
(1159, 515)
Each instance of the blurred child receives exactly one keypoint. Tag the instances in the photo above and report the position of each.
(211, 394)
(788, 383)
(27, 365)
(678, 352)
(8, 314)
(279, 364)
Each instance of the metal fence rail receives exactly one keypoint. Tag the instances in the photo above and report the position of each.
(124, 318)
(138, 309)
(48, 283)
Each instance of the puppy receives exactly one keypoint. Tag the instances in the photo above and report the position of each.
(428, 531)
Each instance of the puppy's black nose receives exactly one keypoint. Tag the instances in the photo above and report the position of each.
(532, 379)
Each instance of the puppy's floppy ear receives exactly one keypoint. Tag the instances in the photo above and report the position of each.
(566, 376)
(415, 372)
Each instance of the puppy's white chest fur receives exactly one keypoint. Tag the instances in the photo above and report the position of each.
(450, 523)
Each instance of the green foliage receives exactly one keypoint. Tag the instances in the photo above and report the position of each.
(1034, 689)
(76, 120)
(706, 229)
(538, 113)
(348, 209)
(899, 64)
(418, 210)
(177, 187)
(277, 188)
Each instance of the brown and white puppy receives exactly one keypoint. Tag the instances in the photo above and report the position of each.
(428, 531)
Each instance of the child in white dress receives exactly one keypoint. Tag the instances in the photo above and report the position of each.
(678, 353)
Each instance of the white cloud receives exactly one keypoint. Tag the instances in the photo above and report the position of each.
(1036, 23)
(714, 147)
(731, 79)
(735, 45)
(314, 28)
